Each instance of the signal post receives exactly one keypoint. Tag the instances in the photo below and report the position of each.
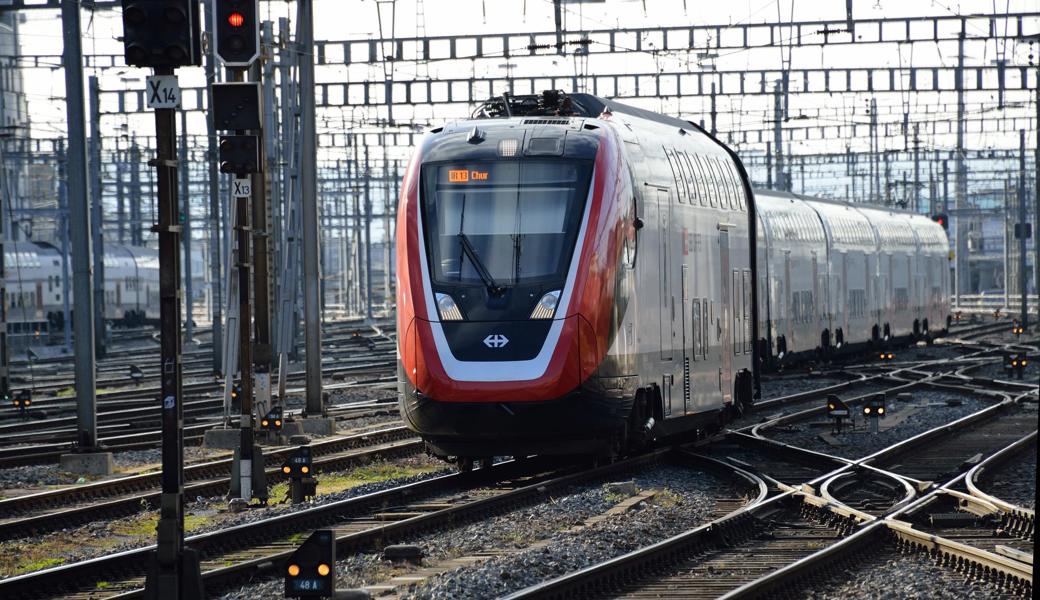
(164, 35)
(236, 108)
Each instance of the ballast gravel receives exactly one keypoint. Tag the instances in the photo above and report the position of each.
(926, 410)
(888, 575)
(687, 499)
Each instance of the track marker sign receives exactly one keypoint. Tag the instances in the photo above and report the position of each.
(163, 91)
(242, 187)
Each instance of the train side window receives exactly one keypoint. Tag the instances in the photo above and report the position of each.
(683, 183)
(691, 180)
(674, 163)
(738, 185)
(716, 183)
(705, 182)
(724, 183)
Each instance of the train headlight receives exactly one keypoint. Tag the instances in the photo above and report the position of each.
(294, 570)
(286, 470)
(323, 569)
(508, 147)
(867, 410)
(546, 307)
(447, 308)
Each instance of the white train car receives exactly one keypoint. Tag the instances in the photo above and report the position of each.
(35, 287)
(838, 276)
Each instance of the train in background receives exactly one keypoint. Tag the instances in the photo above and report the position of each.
(34, 286)
(578, 276)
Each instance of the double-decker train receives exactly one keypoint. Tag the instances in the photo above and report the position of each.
(577, 276)
(34, 283)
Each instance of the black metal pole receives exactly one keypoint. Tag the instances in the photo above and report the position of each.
(167, 577)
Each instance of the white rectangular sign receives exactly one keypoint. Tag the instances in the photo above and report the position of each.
(163, 91)
(242, 187)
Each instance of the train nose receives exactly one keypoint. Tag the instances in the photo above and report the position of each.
(496, 361)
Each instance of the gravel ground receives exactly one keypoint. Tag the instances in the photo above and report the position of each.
(1016, 481)
(925, 411)
(206, 514)
(890, 576)
(688, 500)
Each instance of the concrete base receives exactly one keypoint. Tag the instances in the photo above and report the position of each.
(291, 428)
(222, 439)
(88, 463)
(319, 426)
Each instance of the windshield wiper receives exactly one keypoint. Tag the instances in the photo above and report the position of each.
(493, 288)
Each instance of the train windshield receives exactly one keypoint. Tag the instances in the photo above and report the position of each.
(503, 223)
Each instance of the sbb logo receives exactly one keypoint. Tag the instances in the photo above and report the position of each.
(496, 340)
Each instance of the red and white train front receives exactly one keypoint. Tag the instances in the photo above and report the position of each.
(508, 237)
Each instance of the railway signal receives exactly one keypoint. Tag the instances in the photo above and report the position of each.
(1015, 364)
(942, 219)
(884, 355)
(311, 570)
(300, 469)
(837, 410)
(237, 30)
(874, 411)
(22, 400)
(239, 154)
(272, 421)
(161, 33)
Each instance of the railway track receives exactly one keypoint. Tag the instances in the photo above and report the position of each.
(362, 523)
(51, 510)
(146, 435)
(813, 520)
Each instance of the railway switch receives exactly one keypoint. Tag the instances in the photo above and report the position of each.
(874, 411)
(837, 410)
(300, 469)
(311, 570)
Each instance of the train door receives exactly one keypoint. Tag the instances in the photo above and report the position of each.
(685, 339)
(842, 301)
(667, 307)
(787, 302)
(817, 298)
(726, 371)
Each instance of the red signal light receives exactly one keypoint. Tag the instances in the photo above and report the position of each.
(236, 19)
